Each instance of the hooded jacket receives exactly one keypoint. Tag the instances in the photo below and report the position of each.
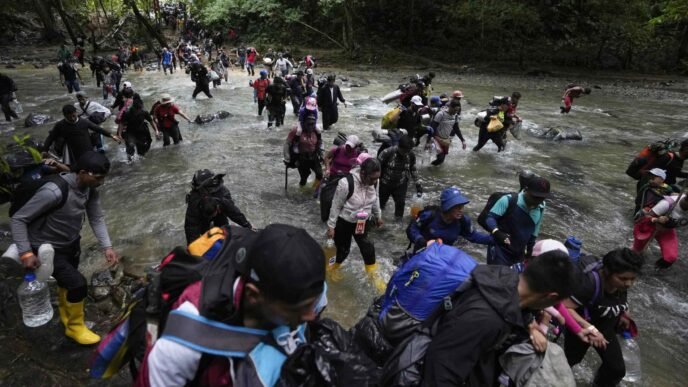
(469, 338)
(364, 198)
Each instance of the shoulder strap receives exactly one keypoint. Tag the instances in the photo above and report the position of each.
(513, 202)
(593, 268)
(350, 180)
(209, 336)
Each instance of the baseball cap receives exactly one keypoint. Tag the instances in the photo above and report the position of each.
(81, 94)
(286, 263)
(126, 84)
(416, 100)
(203, 177)
(546, 245)
(658, 172)
(92, 162)
(452, 197)
(352, 140)
(538, 187)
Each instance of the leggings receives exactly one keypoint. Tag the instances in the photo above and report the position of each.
(342, 240)
(613, 367)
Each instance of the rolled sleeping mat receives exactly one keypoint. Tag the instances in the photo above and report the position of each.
(392, 96)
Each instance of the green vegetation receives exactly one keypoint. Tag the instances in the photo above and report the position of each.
(646, 35)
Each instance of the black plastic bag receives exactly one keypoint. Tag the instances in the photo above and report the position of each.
(370, 338)
(331, 358)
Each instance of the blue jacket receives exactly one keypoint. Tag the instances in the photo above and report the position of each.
(429, 225)
(522, 224)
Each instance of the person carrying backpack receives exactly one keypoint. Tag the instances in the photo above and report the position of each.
(303, 151)
(446, 222)
(398, 165)
(496, 304)
(492, 126)
(163, 115)
(351, 215)
(445, 125)
(54, 214)
(269, 286)
(209, 204)
(514, 222)
(276, 97)
(340, 159)
(600, 303)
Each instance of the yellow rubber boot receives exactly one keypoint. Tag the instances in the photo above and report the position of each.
(62, 305)
(376, 278)
(75, 328)
(333, 273)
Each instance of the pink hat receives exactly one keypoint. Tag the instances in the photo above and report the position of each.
(362, 157)
(311, 104)
(547, 245)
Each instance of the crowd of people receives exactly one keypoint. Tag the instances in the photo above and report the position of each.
(250, 310)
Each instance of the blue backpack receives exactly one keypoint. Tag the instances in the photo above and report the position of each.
(425, 280)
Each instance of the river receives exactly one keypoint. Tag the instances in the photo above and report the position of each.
(593, 198)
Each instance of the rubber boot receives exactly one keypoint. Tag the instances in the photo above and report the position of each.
(333, 273)
(62, 305)
(316, 184)
(76, 329)
(376, 278)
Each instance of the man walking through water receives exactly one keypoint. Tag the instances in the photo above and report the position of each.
(7, 89)
(327, 102)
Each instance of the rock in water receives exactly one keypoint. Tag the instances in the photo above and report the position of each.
(221, 115)
(35, 119)
(562, 134)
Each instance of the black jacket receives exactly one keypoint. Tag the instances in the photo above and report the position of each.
(7, 85)
(470, 337)
(76, 135)
(205, 210)
(325, 99)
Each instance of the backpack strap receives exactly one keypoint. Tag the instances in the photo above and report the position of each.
(211, 337)
(350, 180)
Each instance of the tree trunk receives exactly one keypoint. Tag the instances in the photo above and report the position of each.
(683, 46)
(50, 32)
(143, 20)
(63, 15)
(349, 22)
(102, 6)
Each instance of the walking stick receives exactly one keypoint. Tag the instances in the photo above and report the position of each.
(286, 175)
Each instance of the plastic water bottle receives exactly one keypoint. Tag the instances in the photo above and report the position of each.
(330, 252)
(631, 356)
(34, 299)
(416, 206)
(17, 107)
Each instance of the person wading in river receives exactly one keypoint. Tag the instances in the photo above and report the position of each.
(572, 92)
(164, 114)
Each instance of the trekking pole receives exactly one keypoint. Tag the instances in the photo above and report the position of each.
(286, 175)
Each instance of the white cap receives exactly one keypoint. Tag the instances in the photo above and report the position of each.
(658, 172)
(352, 140)
(547, 245)
(416, 100)
(126, 84)
(309, 71)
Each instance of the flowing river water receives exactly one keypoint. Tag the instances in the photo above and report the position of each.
(593, 198)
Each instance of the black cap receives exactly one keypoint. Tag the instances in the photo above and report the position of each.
(206, 177)
(92, 162)
(538, 187)
(287, 263)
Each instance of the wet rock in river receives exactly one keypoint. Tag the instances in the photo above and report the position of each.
(35, 119)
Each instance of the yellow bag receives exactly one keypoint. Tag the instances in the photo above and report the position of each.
(208, 244)
(390, 119)
(495, 125)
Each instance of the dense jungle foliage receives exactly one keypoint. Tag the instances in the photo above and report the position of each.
(646, 35)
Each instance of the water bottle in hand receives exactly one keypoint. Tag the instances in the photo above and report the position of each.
(34, 299)
(631, 356)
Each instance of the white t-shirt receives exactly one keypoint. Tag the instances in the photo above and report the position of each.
(664, 206)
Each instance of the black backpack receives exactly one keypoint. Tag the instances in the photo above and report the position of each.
(25, 191)
(327, 191)
(494, 197)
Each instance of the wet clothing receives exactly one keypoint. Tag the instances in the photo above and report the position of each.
(297, 87)
(205, 210)
(260, 86)
(70, 76)
(137, 134)
(327, 101)
(76, 135)
(202, 82)
(483, 135)
(7, 87)
(167, 124)
(93, 111)
(648, 196)
(470, 337)
(343, 217)
(521, 223)
(167, 61)
(276, 95)
(430, 225)
(39, 221)
(308, 157)
(394, 177)
(569, 95)
(604, 313)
